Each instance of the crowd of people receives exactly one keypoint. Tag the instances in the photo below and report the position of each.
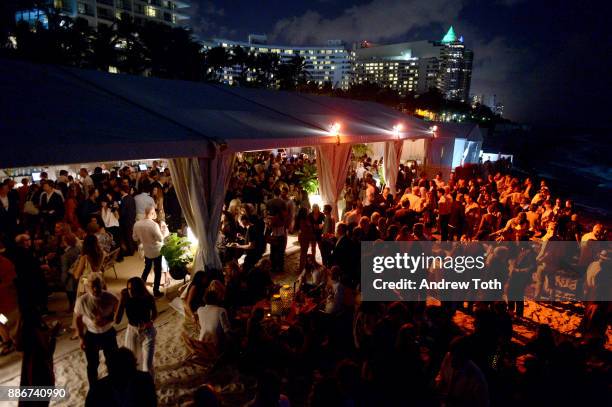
(361, 353)
(62, 235)
(346, 352)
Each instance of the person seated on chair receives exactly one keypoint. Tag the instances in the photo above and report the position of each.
(213, 320)
(214, 327)
(105, 240)
(313, 278)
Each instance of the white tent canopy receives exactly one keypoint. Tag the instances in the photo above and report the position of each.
(72, 114)
(58, 115)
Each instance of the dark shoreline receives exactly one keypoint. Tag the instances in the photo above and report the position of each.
(574, 162)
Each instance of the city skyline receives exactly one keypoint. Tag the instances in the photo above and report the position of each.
(534, 58)
(407, 68)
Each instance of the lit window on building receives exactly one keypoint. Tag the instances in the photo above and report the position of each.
(150, 11)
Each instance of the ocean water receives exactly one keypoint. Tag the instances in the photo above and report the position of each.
(577, 163)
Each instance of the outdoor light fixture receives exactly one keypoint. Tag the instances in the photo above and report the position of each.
(433, 130)
(397, 129)
(334, 130)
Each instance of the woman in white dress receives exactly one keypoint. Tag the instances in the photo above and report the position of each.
(90, 261)
(214, 328)
(213, 320)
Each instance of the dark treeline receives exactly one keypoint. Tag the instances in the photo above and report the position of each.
(159, 50)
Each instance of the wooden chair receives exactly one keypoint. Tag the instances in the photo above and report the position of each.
(110, 261)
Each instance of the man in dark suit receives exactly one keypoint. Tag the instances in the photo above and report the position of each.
(9, 212)
(346, 254)
(32, 289)
(127, 218)
(98, 177)
(51, 205)
(89, 208)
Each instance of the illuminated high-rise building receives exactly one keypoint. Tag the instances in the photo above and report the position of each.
(490, 101)
(98, 12)
(329, 63)
(455, 71)
(402, 67)
(417, 66)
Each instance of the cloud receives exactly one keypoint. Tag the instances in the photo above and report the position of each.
(211, 9)
(499, 69)
(375, 21)
(204, 17)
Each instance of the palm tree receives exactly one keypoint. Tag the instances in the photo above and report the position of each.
(185, 56)
(104, 53)
(298, 65)
(293, 73)
(215, 60)
(239, 58)
(266, 67)
(132, 52)
(156, 39)
(78, 39)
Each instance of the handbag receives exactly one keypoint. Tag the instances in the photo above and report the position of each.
(30, 208)
(72, 270)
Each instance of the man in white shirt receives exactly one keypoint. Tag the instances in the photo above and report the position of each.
(86, 181)
(148, 233)
(413, 198)
(360, 171)
(588, 245)
(94, 312)
(370, 193)
(143, 200)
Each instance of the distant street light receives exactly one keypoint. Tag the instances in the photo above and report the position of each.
(433, 129)
(334, 130)
(397, 129)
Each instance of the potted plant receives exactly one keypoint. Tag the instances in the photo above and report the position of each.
(177, 254)
(308, 178)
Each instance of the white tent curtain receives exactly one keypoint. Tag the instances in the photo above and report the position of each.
(200, 185)
(332, 168)
(471, 154)
(391, 158)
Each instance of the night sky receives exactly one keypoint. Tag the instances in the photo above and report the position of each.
(547, 61)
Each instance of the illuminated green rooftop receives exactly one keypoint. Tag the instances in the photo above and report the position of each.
(450, 36)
